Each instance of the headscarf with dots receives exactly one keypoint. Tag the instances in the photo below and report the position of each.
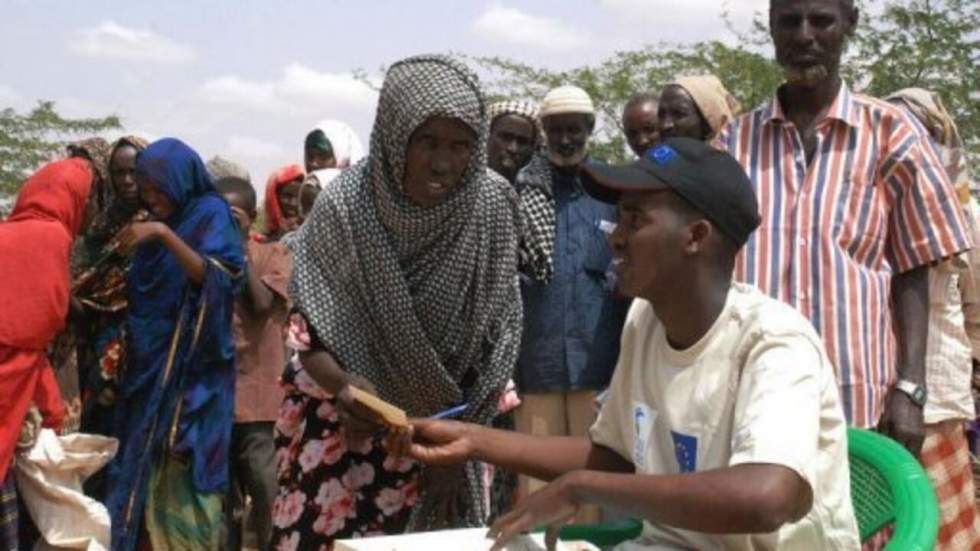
(423, 302)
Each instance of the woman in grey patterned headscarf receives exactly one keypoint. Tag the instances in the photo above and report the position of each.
(405, 282)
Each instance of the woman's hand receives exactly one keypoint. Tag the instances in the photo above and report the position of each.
(30, 429)
(398, 441)
(440, 442)
(139, 232)
(358, 422)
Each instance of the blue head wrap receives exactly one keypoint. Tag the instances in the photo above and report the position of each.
(177, 393)
(176, 169)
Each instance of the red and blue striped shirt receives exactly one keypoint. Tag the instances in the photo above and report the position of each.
(874, 201)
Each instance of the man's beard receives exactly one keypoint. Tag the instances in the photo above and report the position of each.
(806, 76)
(565, 161)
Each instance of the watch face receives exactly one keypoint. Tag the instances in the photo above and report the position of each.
(920, 395)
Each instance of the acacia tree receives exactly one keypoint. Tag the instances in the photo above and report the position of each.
(750, 77)
(930, 44)
(29, 140)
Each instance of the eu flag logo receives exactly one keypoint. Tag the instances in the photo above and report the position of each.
(662, 154)
(686, 451)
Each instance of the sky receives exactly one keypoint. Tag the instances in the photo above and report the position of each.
(247, 79)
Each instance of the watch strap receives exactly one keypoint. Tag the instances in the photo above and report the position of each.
(914, 391)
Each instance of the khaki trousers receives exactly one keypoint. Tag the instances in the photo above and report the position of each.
(556, 414)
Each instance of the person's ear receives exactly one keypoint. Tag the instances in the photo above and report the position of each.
(698, 234)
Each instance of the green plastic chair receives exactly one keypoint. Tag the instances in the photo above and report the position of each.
(889, 486)
(602, 535)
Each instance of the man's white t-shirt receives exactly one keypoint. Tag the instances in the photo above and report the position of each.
(757, 388)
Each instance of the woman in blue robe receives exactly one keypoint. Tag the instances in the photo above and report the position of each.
(176, 403)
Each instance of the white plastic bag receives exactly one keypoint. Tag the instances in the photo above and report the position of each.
(49, 480)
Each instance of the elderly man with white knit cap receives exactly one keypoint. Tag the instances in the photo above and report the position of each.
(572, 319)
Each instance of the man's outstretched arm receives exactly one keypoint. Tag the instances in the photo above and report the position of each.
(545, 458)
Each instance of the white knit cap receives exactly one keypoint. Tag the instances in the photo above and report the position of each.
(567, 99)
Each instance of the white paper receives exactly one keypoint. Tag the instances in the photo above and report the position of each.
(467, 539)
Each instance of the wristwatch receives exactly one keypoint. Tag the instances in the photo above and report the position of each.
(916, 392)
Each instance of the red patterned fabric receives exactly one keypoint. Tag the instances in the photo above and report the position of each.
(946, 458)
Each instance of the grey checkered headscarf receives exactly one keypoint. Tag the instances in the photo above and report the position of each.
(521, 108)
(537, 202)
(420, 301)
(538, 218)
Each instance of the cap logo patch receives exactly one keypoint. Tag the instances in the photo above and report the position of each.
(662, 154)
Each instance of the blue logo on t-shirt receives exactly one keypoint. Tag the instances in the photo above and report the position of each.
(662, 154)
(643, 420)
(686, 451)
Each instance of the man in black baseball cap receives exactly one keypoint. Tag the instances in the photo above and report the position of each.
(722, 427)
(710, 180)
(685, 190)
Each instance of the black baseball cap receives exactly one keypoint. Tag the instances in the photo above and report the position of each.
(711, 180)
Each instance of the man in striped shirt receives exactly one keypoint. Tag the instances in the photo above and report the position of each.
(854, 208)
